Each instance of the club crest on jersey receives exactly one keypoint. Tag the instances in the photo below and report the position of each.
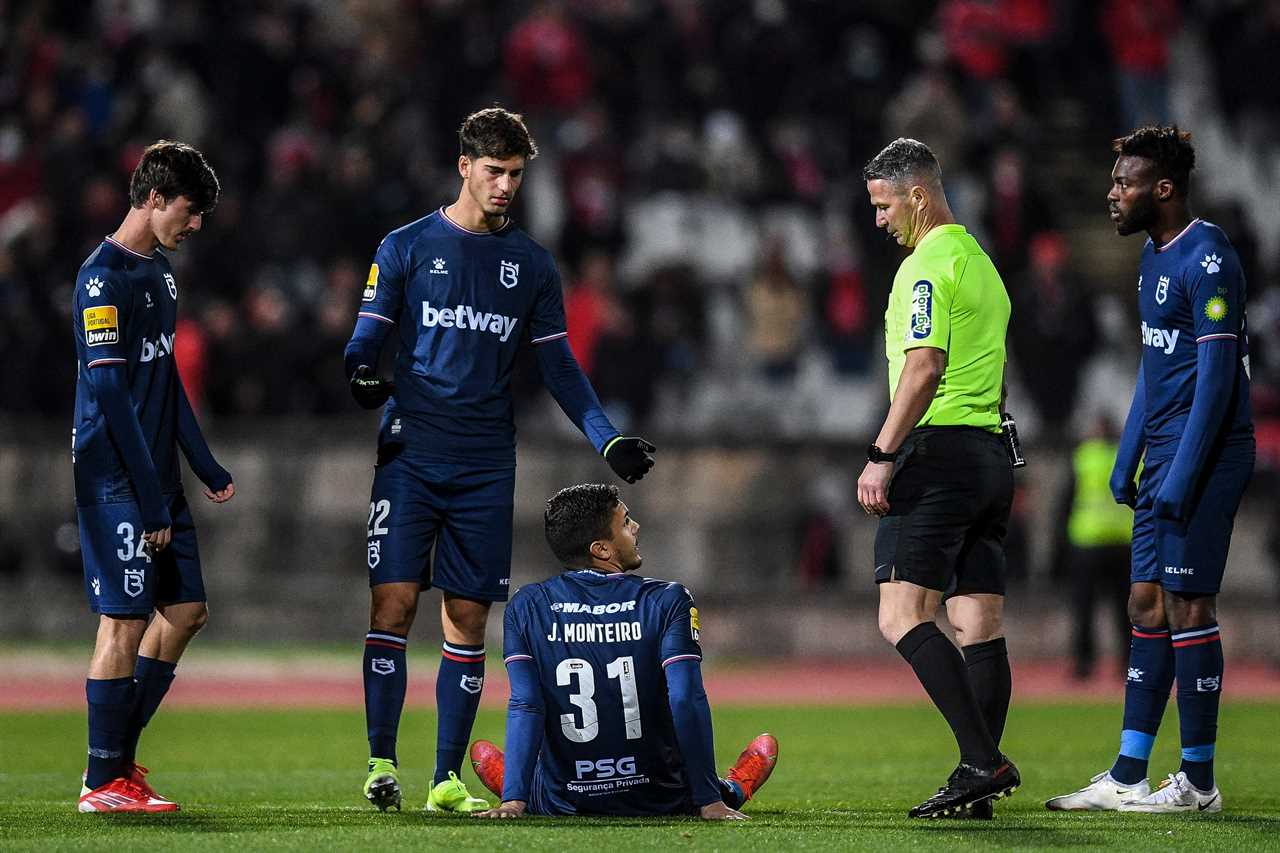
(375, 553)
(173, 285)
(508, 274)
(133, 582)
(1162, 290)
(371, 284)
(921, 310)
(101, 326)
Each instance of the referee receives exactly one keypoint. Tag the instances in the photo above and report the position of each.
(938, 476)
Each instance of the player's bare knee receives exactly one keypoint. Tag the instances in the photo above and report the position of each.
(1146, 606)
(120, 634)
(465, 618)
(1190, 610)
(392, 610)
(194, 620)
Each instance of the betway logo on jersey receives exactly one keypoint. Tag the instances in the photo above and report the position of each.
(151, 350)
(593, 609)
(466, 317)
(1161, 339)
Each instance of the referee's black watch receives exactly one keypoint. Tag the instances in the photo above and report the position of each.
(875, 454)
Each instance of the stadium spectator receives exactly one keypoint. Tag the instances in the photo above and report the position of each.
(1139, 32)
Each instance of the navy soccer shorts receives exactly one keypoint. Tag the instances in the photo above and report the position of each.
(949, 505)
(1190, 557)
(462, 511)
(120, 577)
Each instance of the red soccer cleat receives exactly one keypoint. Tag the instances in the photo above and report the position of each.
(137, 775)
(489, 764)
(124, 795)
(755, 764)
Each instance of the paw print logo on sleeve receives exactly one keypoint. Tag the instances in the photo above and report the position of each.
(1211, 263)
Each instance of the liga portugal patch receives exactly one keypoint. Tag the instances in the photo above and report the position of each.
(101, 325)
(371, 285)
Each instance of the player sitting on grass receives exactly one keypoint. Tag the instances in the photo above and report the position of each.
(608, 715)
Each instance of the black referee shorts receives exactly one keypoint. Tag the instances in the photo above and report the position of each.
(949, 504)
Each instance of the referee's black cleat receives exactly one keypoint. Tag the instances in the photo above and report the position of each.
(968, 786)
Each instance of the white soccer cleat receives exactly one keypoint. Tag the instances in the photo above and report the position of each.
(1176, 794)
(1102, 794)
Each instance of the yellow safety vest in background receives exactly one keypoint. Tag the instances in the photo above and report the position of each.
(1096, 519)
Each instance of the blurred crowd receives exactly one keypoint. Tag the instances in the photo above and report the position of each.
(699, 180)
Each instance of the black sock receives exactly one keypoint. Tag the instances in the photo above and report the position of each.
(988, 665)
(941, 670)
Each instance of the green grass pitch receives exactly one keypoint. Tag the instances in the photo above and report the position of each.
(290, 780)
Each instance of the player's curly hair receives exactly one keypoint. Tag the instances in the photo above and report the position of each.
(1168, 147)
(576, 517)
(496, 133)
(173, 169)
(901, 159)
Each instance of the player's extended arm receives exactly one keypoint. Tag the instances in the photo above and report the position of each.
(1215, 379)
(1132, 443)
(691, 714)
(191, 440)
(629, 457)
(525, 714)
(361, 360)
(111, 387)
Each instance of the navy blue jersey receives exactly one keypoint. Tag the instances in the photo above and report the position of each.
(600, 643)
(1190, 291)
(125, 311)
(464, 301)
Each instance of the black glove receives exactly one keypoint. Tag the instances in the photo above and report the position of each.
(370, 391)
(629, 457)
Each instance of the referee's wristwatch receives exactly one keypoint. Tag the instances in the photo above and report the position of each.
(875, 454)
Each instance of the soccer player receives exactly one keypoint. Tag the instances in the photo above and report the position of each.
(466, 288)
(136, 532)
(607, 714)
(938, 475)
(1190, 413)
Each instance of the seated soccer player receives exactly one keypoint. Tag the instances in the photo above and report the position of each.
(608, 715)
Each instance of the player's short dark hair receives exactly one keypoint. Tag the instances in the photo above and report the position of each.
(1168, 148)
(496, 133)
(576, 517)
(902, 159)
(173, 169)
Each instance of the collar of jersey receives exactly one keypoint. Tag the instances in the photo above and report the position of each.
(506, 223)
(949, 228)
(598, 574)
(122, 247)
(1193, 223)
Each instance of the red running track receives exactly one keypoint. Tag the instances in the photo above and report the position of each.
(216, 685)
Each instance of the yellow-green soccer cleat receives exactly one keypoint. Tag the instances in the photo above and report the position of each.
(452, 796)
(382, 788)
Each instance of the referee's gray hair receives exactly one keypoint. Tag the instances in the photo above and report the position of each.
(903, 158)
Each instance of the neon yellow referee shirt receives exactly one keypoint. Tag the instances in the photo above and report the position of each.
(948, 295)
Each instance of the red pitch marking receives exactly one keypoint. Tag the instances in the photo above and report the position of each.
(777, 683)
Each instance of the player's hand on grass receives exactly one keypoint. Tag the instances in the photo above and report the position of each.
(629, 457)
(511, 808)
(222, 495)
(157, 540)
(720, 811)
(873, 488)
(369, 390)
